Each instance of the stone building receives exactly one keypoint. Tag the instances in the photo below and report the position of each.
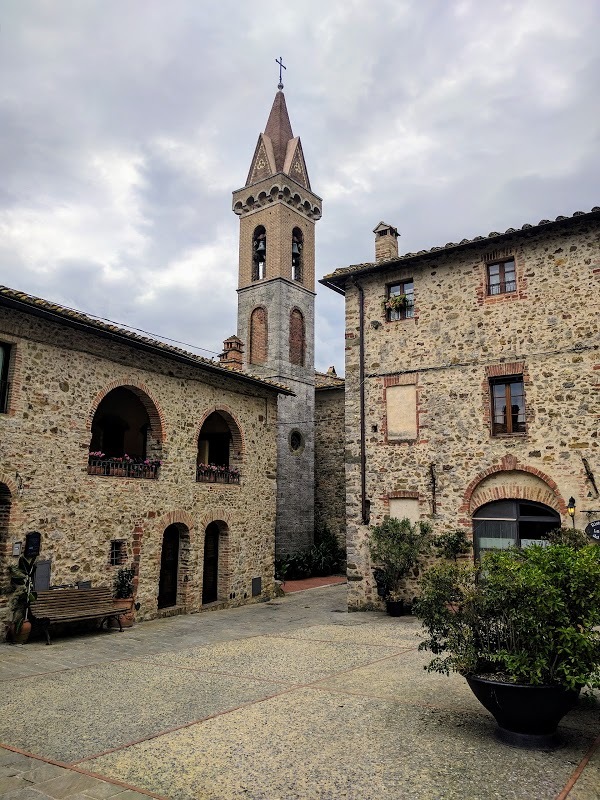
(106, 442)
(472, 386)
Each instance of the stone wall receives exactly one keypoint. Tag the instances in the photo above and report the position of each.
(548, 329)
(330, 479)
(59, 377)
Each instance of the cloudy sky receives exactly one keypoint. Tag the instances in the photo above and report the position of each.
(126, 124)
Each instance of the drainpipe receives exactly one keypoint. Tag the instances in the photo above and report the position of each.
(364, 503)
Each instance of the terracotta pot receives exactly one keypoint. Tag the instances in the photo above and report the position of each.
(395, 608)
(22, 635)
(128, 618)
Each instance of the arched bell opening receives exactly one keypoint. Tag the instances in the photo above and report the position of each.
(259, 253)
(297, 255)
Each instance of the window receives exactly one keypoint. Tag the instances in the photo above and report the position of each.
(4, 385)
(512, 523)
(400, 301)
(118, 553)
(501, 277)
(508, 405)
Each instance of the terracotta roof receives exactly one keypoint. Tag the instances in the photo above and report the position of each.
(327, 380)
(334, 279)
(77, 319)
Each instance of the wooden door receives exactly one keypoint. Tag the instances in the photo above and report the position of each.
(169, 567)
(211, 564)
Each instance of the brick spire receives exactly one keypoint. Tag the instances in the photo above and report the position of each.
(279, 130)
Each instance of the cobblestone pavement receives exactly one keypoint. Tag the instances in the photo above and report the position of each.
(294, 699)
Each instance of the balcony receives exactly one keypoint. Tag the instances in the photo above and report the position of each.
(123, 467)
(212, 473)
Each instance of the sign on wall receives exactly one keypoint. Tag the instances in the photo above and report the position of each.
(593, 530)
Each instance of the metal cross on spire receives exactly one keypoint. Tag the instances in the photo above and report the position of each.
(281, 66)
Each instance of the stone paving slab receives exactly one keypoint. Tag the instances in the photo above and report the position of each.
(310, 745)
(390, 634)
(76, 713)
(280, 659)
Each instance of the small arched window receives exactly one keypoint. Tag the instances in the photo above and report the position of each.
(259, 253)
(297, 338)
(297, 259)
(258, 336)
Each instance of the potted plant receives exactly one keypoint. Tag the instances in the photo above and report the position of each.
(22, 577)
(520, 628)
(395, 302)
(123, 590)
(396, 547)
(452, 544)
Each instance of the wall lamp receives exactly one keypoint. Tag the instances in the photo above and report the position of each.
(571, 509)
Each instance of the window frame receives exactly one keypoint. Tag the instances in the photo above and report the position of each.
(408, 312)
(507, 381)
(6, 349)
(502, 282)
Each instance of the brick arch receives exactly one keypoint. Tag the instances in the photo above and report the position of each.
(237, 434)
(187, 565)
(143, 393)
(215, 514)
(10, 485)
(548, 494)
(176, 517)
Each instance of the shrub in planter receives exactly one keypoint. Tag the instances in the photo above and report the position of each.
(524, 618)
(397, 546)
(452, 544)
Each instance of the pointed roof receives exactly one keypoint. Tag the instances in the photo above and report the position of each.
(277, 149)
(279, 129)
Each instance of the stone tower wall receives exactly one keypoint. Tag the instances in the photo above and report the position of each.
(330, 482)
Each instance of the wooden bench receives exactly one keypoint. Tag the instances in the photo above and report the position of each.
(75, 605)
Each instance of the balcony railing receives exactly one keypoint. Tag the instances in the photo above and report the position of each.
(211, 473)
(121, 468)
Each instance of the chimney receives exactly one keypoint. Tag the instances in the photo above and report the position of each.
(386, 241)
(331, 372)
(232, 355)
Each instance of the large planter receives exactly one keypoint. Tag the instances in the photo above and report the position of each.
(20, 636)
(395, 608)
(527, 716)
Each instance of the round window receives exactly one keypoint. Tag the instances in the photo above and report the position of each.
(296, 440)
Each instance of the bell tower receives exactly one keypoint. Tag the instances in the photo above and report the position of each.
(276, 302)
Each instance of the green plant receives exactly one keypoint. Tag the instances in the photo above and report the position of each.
(569, 536)
(397, 546)
(452, 544)
(524, 616)
(324, 557)
(123, 585)
(22, 577)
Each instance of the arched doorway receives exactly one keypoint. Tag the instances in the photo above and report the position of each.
(511, 523)
(169, 568)
(210, 574)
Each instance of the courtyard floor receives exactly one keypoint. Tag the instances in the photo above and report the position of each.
(294, 699)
